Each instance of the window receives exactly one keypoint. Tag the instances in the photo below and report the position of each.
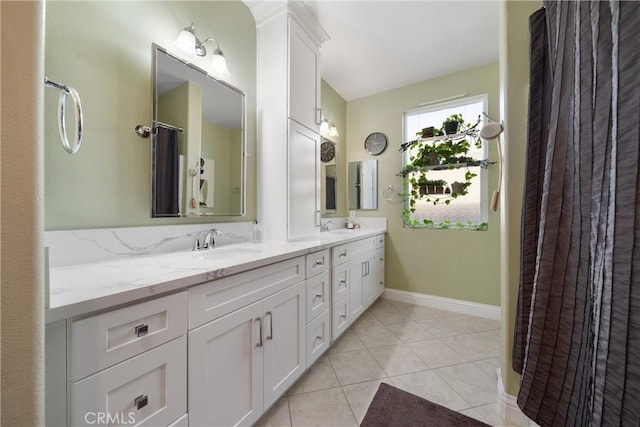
(449, 191)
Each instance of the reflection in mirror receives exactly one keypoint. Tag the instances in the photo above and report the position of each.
(363, 184)
(329, 178)
(199, 170)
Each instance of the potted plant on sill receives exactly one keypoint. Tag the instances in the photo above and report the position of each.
(452, 123)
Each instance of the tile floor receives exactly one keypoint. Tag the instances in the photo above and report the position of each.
(445, 357)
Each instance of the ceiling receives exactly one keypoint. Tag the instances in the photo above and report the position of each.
(381, 45)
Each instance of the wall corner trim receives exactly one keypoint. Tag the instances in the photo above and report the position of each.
(459, 306)
(508, 410)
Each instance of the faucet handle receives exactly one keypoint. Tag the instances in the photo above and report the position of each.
(196, 242)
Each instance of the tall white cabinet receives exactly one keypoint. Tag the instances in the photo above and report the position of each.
(288, 106)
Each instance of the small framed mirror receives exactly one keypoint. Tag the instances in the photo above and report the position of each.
(329, 178)
(363, 184)
(199, 142)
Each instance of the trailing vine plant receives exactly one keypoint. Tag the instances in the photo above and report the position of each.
(440, 152)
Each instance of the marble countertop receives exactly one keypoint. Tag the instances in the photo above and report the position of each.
(84, 288)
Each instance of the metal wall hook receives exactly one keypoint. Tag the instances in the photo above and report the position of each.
(144, 131)
(62, 125)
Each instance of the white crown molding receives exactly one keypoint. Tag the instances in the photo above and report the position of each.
(264, 10)
(459, 306)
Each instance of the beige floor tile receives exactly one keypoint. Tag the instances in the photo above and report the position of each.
(417, 313)
(321, 408)
(366, 320)
(355, 367)
(360, 395)
(277, 416)
(489, 414)
(436, 353)
(389, 317)
(376, 336)
(430, 386)
(476, 346)
(409, 332)
(320, 377)
(348, 341)
(470, 382)
(397, 360)
(489, 366)
(384, 304)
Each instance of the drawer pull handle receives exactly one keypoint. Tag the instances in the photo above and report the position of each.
(343, 254)
(258, 319)
(270, 314)
(319, 338)
(142, 330)
(343, 283)
(141, 401)
(320, 262)
(318, 296)
(343, 316)
(381, 259)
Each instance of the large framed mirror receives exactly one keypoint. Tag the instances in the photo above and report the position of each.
(199, 141)
(363, 184)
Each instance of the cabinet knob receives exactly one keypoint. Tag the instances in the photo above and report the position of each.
(141, 401)
(319, 338)
(343, 316)
(318, 296)
(343, 254)
(343, 283)
(142, 330)
(320, 262)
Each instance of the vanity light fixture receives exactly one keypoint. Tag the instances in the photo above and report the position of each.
(189, 46)
(328, 129)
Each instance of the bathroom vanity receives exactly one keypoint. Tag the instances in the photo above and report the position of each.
(201, 338)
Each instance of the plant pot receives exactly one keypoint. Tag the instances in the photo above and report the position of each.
(457, 187)
(428, 132)
(431, 159)
(430, 189)
(451, 128)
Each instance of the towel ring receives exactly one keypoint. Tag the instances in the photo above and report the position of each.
(62, 126)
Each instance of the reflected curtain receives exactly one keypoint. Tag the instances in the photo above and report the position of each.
(577, 334)
(166, 169)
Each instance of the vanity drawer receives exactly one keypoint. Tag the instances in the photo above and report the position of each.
(362, 246)
(339, 282)
(380, 241)
(317, 295)
(106, 339)
(317, 262)
(318, 337)
(339, 318)
(340, 254)
(149, 389)
(215, 299)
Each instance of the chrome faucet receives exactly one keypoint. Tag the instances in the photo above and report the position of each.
(324, 228)
(209, 238)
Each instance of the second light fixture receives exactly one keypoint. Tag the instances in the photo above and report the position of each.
(189, 46)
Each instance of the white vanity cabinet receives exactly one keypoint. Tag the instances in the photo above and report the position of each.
(318, 329)
(288, 105)
(358, 280)
(252, 349)
(126, 366)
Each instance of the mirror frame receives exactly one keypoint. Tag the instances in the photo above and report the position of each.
(154, 120)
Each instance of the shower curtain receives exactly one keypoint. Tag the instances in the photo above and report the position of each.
(577, 335)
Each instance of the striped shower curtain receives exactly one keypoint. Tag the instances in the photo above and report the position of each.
(577, 335)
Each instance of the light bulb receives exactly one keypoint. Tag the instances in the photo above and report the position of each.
(219, 64)
(324, 127)
(333, 131)
(185, 44)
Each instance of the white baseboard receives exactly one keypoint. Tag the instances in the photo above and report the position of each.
(459, 306)
(508, 409)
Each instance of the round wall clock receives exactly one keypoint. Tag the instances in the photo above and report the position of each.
(375, 143)
(327, 151)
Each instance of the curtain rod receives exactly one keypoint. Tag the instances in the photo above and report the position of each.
(435, 101)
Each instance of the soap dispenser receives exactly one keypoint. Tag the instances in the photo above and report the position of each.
(256, 232)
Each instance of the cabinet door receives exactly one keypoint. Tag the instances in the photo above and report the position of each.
(304, 78)
(370, 285)
(284, 339)
(226, 369)
(304, 182)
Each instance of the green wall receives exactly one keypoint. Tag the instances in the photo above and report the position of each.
(103, 49)
(462, 265)
(334, 108)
